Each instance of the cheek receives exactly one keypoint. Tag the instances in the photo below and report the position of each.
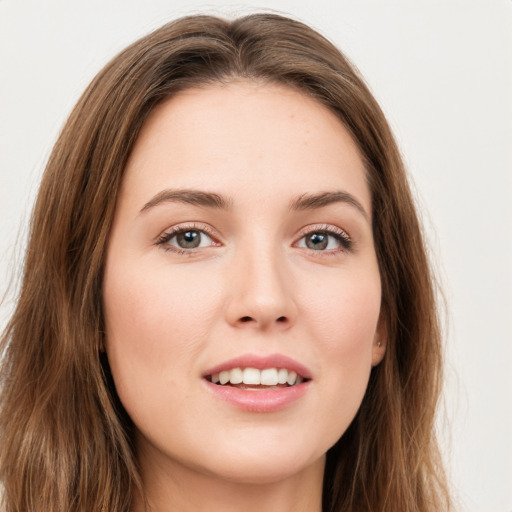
(345, 313)
(345, 319)
(150, 306)
(154, 329)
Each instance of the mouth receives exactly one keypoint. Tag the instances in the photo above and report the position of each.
(249, 378)
(259, 383)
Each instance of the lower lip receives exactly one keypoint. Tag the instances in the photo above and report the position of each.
(259, 400)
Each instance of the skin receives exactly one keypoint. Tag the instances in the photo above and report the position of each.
(253, 286)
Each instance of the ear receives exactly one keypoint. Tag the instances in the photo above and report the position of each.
(379, 342)
(101, 343)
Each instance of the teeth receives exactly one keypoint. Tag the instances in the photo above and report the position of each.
(292, 377)
(282, 376)
(269, 377)
(252, 376)
(255, 377)
(236, 376)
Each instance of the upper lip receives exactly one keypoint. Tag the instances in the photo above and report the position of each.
(261, 362)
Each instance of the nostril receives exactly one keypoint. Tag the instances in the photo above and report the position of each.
(247, 319)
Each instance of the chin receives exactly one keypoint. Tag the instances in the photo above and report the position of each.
(264, 471)
(269, 461)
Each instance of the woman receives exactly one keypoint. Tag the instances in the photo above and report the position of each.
(226, 300)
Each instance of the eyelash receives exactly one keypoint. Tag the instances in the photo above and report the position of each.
(340, 235)
(164, 238)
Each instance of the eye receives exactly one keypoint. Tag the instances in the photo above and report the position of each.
(325, 240)
(190, 239)
(185, 239)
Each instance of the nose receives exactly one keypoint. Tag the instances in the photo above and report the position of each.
(261, 292)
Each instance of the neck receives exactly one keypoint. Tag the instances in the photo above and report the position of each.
(175, 487)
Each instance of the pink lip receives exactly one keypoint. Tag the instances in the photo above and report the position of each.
(259, 400)
(270, 400)
(260, 363)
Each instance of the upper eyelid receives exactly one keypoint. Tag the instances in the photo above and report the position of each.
(329, 228)
(197, 226)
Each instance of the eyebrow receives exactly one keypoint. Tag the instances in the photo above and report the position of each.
(188, 196)
(213, 200)
(314, 201)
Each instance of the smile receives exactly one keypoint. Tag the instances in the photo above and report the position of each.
(260, 384)
(254, 378)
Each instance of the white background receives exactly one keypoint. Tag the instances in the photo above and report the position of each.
(442, 71)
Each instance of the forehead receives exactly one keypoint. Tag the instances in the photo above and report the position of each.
(245, 136)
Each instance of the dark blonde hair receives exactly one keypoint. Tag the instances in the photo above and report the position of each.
(65, 440)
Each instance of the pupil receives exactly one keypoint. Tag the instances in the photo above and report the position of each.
(317, 241)
(189, 239)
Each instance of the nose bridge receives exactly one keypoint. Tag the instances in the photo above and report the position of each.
(261, 289)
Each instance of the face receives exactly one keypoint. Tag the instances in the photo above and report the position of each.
(241, 291)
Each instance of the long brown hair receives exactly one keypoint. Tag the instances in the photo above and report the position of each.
(65, 440)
